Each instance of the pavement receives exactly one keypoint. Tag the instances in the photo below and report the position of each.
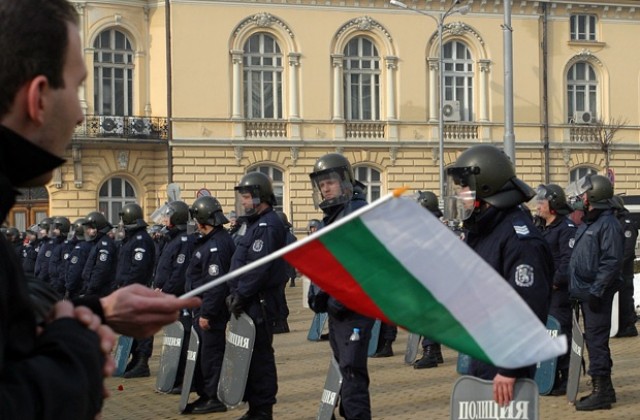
(397, 390)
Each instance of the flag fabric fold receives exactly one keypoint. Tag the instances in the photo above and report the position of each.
(398, 263)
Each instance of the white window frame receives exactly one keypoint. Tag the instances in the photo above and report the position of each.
(361, 78)
(582, 89)
(458, 77)
(109, 204)
(372, 179)
(583, 27)
(107, 101)
(262, 77)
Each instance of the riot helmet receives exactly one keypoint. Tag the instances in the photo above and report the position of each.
(62, 225)
(78, 228)
(177, 214)
(483, 173)
(130, 214)
(313, 225)
(13, 234)
(332, 181)
(208, 211)
(95, 222)
(429, 201)
(599, 191)
(254, 188)
(45, 227)
(555, 196)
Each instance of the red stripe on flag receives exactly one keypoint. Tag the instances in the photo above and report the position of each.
(318, 263)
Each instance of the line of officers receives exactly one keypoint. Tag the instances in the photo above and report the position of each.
(90, 256)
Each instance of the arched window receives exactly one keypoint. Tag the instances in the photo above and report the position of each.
(458, 77)
(581, 171)
(277, 180)
(114, 194)
(361, 80)
(582, 90)
(113, 73)
(262, 61)
(370, 177)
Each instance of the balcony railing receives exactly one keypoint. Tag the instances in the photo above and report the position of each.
(265, 129)
(365, 130)
(120, 127)
(583, 134)
(460, 131)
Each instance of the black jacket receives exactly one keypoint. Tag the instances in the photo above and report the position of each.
(509, 242)
(560, 236)
(136, 258)
(58, 373)
(173, 261)
(598, 251)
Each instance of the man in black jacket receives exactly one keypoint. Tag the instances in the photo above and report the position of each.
(52, 367)
(487, 195)
(595, 270)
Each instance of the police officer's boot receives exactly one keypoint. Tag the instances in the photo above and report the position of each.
(140, 370)
(258, 413)
(560, 383)
(429, 357)
(132, 362)
(386, 350)
(602, 396)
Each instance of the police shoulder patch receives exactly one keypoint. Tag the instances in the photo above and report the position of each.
(521, 229)
(198, 255)
(138, 256)
(524, 275)
(263, 224)
(180, 259)
(257, 245)
(104, 243)
(183, 238)
(213, 270)
(572, 241)
(48, 253)
(139, 237)
(74, 259)
(627, 233)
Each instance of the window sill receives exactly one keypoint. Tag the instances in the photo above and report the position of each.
(582, 43)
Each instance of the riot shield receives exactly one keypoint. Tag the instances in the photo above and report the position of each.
(464, 364)
(317, 326)
(575, 361)
(330, 392)
(189, 369)
(546, 370)
(615, 315)
(241, 336)
(472, 396)
(170, 357)
(375, 337)
(413, 344)
(121, 356)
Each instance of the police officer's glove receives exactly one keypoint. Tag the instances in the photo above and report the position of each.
(595, 303)
(235, 304)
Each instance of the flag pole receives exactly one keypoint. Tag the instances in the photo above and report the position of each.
(279, 253)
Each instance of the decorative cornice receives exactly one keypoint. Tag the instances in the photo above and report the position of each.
(585, 55)
(458, 29)
(364, 23)
(264, 20)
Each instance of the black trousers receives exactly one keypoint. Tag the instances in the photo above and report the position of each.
(597, 326)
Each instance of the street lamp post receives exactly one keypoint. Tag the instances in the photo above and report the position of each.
(440, 24)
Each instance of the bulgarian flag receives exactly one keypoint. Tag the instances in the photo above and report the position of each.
(396, 262)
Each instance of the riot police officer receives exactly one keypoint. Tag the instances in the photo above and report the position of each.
(211, 259)
(627, 311)
(595, 270)
(13, 235)
(30, 250)
(172, 261)
(559, 231)
(483, 190)
(100, 267)
(256, 292)
(136, 258)
(281, 325)
(62, 249)
(76, 261)
(431, 350)
(313, 225)
(47, 243)
(337, 193)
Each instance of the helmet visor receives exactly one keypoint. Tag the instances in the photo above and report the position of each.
(247, 200)
(331, 187)
(460, 194)
(579, 187)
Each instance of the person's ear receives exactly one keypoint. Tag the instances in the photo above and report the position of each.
(37, 98)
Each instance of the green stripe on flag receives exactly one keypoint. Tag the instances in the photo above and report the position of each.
(401, 296)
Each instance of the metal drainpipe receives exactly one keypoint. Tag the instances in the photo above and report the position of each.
(167, 15)
(545, 92)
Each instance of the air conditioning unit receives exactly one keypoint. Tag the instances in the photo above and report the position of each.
(139, 126)
(112, 126)
(451, 111)
(583, 117)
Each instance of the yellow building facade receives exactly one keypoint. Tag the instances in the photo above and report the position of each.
(236, 86)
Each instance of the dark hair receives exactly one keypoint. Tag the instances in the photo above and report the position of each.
(33, 41)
